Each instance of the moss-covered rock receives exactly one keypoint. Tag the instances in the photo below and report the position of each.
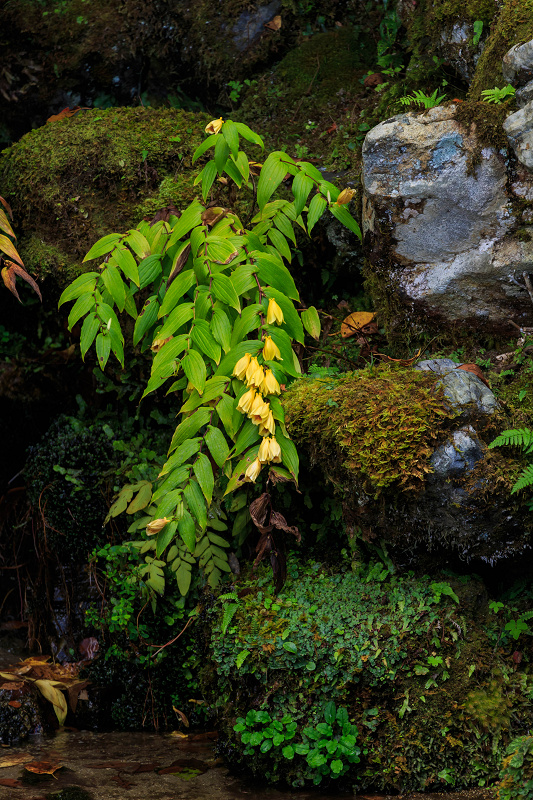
(386, 438)
(416, 663)
(74, 180)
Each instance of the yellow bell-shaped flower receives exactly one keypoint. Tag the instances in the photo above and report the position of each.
(274, 313)
(270, 384)
(239, 370)
(271, 350)
(252, 473)
(214, 126)
(156, 525)
(247, 400)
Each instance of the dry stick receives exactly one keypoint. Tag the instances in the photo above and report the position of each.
(191, 619)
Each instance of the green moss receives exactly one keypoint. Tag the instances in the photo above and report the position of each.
(513, 25)
(486, 121)
(380, 425)
(75, 180)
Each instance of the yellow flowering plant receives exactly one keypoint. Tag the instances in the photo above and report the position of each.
(220, 320)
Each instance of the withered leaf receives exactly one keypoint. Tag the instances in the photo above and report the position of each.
(67, 112)
(11, 782)
(182, 716)
(213, 215)
(43, 767)
(274, 24)
(122, 782)
(182, 260)
(475, 370)
(354, 322)
(9, 274)
(15, 703)
(14, 761)
(279, 521)
(260, 510)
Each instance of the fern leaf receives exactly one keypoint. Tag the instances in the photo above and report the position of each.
(229, 613)
(525, 479)
(229, 596)
(519, 437)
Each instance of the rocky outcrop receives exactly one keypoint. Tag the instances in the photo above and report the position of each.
(440, 225)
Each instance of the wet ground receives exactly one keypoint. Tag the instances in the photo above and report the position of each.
(141, 766)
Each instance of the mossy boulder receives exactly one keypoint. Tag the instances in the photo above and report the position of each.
(74, 180)
(415, 662)
(412, 465)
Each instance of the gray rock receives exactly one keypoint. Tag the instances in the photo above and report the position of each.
(440, 233)
(517, 64)
(524, 95)
(519, 130)
(250, 24)
(457, 456)
(455, 46)
(462, 389)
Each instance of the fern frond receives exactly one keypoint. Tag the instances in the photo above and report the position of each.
(229, 613)
(229, 596)
(519, 437)
(525, 479)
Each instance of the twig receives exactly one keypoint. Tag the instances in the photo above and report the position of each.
(175, 639)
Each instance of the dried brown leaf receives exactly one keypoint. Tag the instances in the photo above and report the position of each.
(475, 370)
(274, 24)
(354, 322)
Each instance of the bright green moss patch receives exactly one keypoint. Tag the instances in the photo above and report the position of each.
(71, 182)
(379, 425)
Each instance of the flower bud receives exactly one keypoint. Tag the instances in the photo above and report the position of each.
(156, 525)
(345, 197)
(214, 126)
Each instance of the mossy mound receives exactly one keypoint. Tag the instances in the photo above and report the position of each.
(374, 428)
(412, 660)
(312, 99)
(374, 433)
(513, 25)
(74, 180)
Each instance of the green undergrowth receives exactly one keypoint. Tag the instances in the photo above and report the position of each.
(72, 181)
(376, 427)
(420, 665)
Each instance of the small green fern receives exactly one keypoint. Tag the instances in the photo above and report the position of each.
(229, 610)
(518, 437)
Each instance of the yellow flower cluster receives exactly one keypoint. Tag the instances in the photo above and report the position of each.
(269, 451)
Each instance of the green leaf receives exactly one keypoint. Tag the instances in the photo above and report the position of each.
(224, 410)
(248, 134)
(191, 217)
(183, 577)
(194, 368)
(282, 340)
(138, 243)
(237, 478)
(127, 263)
(285, 225)
(288, 752)
(248, 321)
(142, 498)
(190, 426)
(272, 173)
(164, 537)
(292, 323)
(248, 435)
(207, 177)
(344, 216)
(230, 168)
(221, 154)
(311, 321)
(290, 647)
(82, 285)
(82, 306)
(280, 243)
(330, 713)
(289, 454)
(176, 290)
(181, 314)
(276, 274)
(149, 269)
(224, 291)
(114, 285)
(252, 346)
(217, 444)
(317, 206)
(103, 349)
(316, 759)
(204, 475)
(196, 503)
(242, 279)
(203, 338)
(175, 479)
(103, 246)
(206, 144)
(221, 329)
(89, 329)
(241, 658)
(301, 186)
(187, 531)
(231, 135)
(243, 165)
(214, 387)
(146, 319)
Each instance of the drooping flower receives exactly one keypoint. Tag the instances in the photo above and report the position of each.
(274, 313)
(267, 424)
(269, 450)
(252, 473)
(239, 370)
(254, 373)
(246, 402)
(264, 451)
(259, 410)
(270, 384)
(345, 197)
(214, 126)
(271, 350)
(156, 525)
(275, 451)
